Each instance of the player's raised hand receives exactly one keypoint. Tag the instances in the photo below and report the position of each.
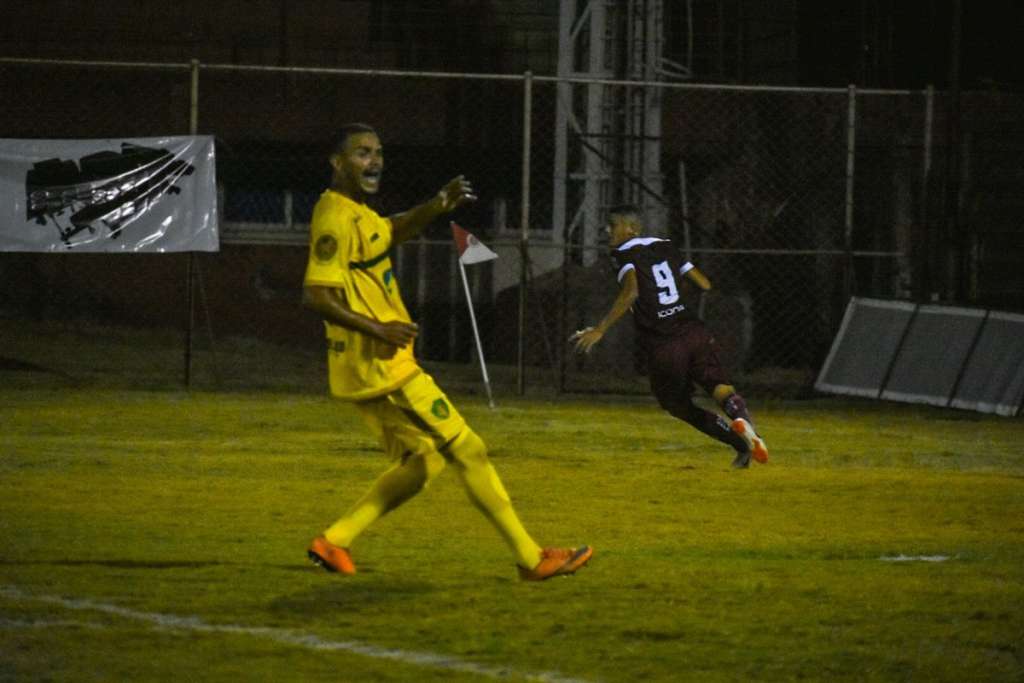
(455, 193)
(585, 339)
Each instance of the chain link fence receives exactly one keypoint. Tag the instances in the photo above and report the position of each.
(790, 200)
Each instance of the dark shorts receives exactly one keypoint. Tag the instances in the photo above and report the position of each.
(676, 363)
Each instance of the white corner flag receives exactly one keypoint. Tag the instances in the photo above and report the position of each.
(472, 250)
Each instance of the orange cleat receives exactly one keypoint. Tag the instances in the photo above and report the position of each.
(557, 562)
(755, 444)
(331, 557)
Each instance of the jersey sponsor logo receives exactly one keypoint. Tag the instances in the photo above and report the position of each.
(325, 249)
(440, 409)
(336, 345)
(669, 312)
(374, 237)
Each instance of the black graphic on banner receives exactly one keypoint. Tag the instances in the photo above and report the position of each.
(106, 189)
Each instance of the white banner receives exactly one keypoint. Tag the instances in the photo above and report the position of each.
(117, 195)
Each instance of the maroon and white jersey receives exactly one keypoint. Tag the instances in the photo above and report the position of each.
(661, 307)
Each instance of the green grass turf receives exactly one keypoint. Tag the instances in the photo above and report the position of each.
(201, 505)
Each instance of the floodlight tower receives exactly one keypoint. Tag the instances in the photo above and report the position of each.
(608, 137)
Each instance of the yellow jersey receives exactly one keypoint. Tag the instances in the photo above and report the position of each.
(349, 249)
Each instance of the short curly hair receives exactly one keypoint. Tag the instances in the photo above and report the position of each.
(631, 210)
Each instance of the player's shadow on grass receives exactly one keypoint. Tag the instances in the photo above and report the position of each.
(364, 568)
(119, 564)
(158, 564)
(338, 595)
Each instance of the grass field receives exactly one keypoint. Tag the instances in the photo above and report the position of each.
(157, 535)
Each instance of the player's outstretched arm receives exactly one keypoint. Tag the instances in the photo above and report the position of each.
(410, 223)
(586, 338)
(331, 305)
(698, 278)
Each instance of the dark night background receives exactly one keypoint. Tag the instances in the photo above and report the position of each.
(869, 43)
(908, 44)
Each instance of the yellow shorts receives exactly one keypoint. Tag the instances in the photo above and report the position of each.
(416, 418)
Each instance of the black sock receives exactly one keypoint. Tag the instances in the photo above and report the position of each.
(717, 428)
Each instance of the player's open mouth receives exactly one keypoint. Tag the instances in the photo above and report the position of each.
(371, 178)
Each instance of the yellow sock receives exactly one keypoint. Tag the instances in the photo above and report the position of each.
(487, 493)
(722, 392)
(394, 487)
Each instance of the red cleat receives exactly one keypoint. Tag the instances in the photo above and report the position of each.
(755, 444)
(331, 557)
(557, 562)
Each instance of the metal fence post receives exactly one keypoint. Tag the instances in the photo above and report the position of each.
(193, 112)
(851, 152)
(924, 251)
(524, 233)
(193, 127)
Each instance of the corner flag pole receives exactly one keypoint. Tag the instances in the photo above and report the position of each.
(476, 335)
(471, 250)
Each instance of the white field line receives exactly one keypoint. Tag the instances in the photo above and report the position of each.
(285, 636)
(915, 558)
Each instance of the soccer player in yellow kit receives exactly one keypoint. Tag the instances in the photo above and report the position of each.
(349, 281)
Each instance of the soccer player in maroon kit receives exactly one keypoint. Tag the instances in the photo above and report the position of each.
(680, 350)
